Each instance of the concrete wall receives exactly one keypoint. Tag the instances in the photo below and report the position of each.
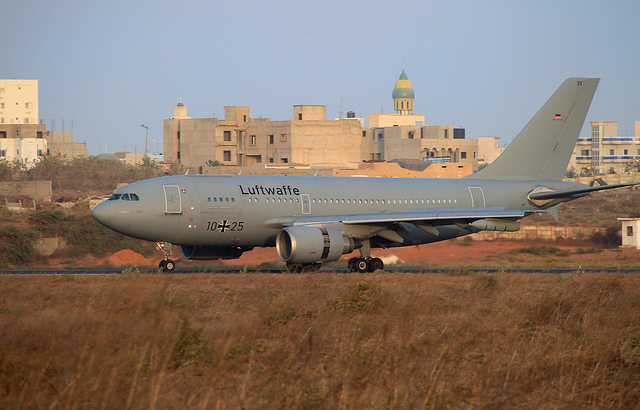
(391, 120)
(536, 231)
(38, 190)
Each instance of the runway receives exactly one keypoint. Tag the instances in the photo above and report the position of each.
(185, 271)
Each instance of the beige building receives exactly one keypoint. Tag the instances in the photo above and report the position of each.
(21, 137)
(605, 152)
(436, 143)
(239, 140)
(488, 149)
(19, 102)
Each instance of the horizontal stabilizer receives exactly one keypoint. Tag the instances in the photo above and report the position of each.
(575, 193)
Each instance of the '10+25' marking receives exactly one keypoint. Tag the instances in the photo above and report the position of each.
(225, 226)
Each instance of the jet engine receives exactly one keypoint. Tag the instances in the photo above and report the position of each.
(200, 253)
(310, 244)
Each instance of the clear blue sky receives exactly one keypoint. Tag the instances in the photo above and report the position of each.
(486, 66)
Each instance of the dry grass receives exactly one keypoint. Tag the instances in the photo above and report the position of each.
(320, 341)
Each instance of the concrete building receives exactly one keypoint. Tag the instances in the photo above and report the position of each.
(239, 140)
(19, 117)
(61, 143)
(19, 102)
(488, 149)
(605, 152)
(22, 142)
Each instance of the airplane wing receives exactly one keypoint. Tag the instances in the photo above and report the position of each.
(387, 225)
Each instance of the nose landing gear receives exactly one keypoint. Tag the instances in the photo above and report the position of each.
(166, 264)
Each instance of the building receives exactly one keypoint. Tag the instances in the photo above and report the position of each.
(239, 140)
(19, 102)
(21, 137)
(404, 135)
(22, 142)
(488, 149)
(605, 152)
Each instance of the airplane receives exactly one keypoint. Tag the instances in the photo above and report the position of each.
(311, 220)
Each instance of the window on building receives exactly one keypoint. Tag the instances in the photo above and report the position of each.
(585, 152)
(610, 152)
(28, 105)
(227, 135)
(626, 152)
(380, 136)
(27, 120)
(463, 155)
(629, 230)
(299, 116)
(226, 156)
(245, 118)
(178, 135)
(284, 160)
(283, 137)
(411, 134)
(253, 140)
(3, 134)
(39, 152)
(1, 105)
(3, 153)
(270, 139)
(364, 133)
(178, 156)
(446, 133)
(270, 160)
(39, 134)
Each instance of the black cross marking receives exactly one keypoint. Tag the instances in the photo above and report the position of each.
(224, 225)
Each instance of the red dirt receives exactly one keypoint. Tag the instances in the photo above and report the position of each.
(453, 253)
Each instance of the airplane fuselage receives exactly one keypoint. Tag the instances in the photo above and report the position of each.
(231, 210)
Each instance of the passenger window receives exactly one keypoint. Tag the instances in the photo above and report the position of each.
(209, 199)
(125, 197)
(134, 197)
(114, 197)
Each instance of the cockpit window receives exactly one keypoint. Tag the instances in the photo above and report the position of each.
(125, 197)
(114, 197)
(134, 197)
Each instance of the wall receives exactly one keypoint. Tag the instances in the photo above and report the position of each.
(38, 190)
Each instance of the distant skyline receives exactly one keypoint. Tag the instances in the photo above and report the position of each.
(109, 67)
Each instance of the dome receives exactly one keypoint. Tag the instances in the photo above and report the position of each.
(108, 157)
(404, 89)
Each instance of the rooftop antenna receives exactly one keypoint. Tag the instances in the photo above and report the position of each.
(340, 113)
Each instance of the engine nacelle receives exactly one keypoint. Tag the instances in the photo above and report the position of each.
(200, 253)
(310, 244)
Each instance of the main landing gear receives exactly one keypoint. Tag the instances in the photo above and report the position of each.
(365, 263)
(166, 264)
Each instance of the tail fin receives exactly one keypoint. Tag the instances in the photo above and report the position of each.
(543, 148)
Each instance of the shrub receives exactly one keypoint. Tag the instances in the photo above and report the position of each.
(17, 246)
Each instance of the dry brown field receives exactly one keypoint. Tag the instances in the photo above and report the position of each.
(326, 341)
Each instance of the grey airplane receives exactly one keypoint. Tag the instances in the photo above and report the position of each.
(312, 220)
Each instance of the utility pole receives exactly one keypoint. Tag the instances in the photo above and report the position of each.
(146, 137)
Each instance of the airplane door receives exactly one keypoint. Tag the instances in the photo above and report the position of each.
(306, 204)
(477, 196)
(172, 199)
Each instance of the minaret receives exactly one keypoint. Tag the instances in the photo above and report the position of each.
(180, 111)
(403, 95)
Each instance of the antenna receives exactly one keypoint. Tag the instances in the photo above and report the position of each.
(340, 113)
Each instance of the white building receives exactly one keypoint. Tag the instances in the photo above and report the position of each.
(605, 152)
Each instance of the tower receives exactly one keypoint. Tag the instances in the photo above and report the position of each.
(403, 95)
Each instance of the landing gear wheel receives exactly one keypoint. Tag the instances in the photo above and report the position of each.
(362, 265)
(169, 265)
(351, 265)
(162, 264)
(376, 264)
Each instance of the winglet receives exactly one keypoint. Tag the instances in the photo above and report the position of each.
(543, 148)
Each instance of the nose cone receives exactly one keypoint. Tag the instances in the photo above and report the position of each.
(102, 213)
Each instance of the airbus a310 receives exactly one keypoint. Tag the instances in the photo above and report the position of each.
(312, 220)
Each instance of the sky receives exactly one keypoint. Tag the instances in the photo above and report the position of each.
(106, 67)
